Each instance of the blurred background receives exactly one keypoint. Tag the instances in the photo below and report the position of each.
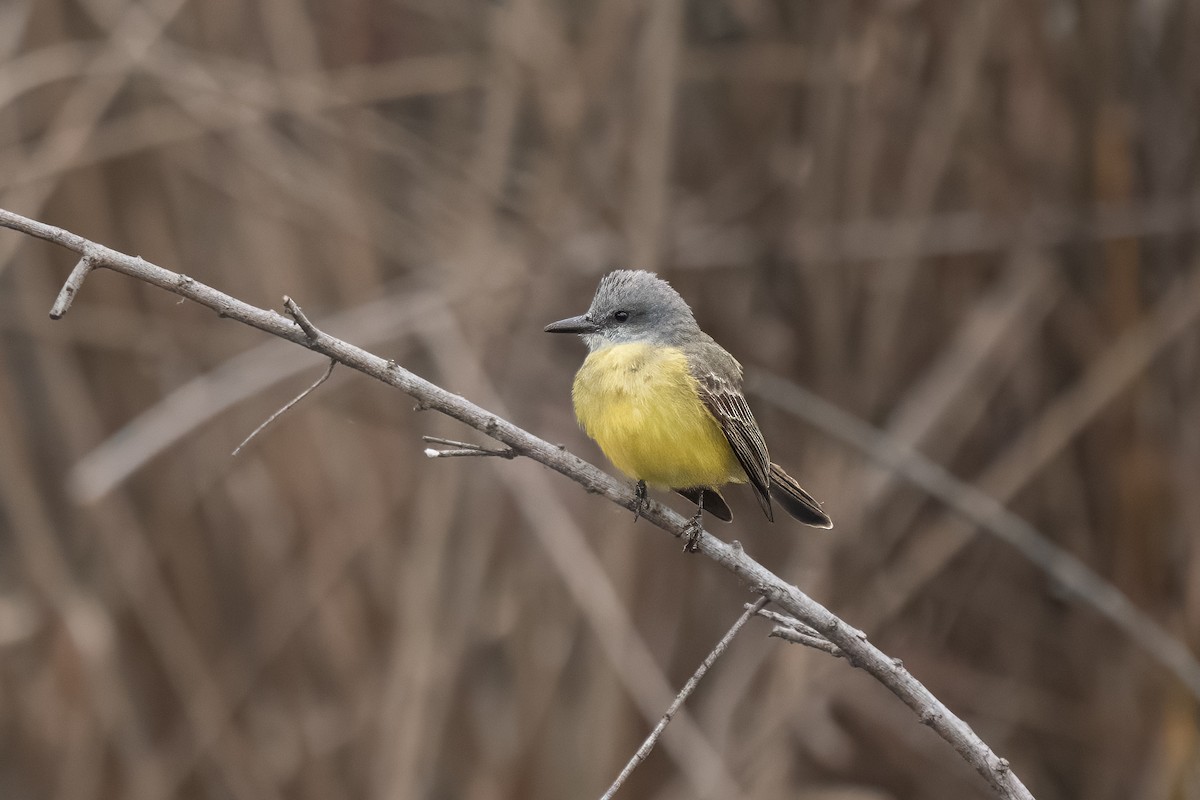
(970, 224)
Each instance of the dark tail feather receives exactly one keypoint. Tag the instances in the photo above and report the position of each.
(797, 502)
(713, 502)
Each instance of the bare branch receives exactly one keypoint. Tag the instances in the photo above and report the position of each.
(286, 407)
(852, 642)
(681, 698)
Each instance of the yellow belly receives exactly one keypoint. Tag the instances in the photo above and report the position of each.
(642, 407)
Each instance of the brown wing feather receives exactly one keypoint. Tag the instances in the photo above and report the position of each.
(718, 376)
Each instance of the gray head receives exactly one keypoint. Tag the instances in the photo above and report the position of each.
(632, 306)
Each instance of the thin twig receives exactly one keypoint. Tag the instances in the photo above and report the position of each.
(459, 449)
(431, 452)
(209, 394)
(899, 681)
(680, 698)
(808, 640)
(793, 630)
(66, 295)
(790, 623)
(783, 619)
(286, 407)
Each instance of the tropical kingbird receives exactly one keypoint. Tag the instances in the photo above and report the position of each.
(664, 402)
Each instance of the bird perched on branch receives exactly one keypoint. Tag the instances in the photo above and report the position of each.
(664, 402)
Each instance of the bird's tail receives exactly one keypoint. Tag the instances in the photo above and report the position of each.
(797, 502)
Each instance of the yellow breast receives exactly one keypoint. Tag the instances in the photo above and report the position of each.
(641, 405)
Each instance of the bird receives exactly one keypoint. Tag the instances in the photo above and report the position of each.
(664, 402)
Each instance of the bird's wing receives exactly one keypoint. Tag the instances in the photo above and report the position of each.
(719, 381)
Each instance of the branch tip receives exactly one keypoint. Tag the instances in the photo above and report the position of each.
(296, 313)
(74, 282)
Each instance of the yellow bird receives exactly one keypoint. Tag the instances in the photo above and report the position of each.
(664, 402)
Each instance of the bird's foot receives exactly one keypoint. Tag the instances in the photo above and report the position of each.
(640, 501)
(692, 533)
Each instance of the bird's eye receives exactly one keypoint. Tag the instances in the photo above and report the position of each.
(621, 316)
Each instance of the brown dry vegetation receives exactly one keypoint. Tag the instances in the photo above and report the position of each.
(970, 223)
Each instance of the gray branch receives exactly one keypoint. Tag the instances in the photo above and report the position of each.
(852, 643)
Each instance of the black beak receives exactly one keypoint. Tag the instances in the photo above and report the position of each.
(573, 325)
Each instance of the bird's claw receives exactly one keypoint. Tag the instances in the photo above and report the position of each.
(692, 533)
(640, 501)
